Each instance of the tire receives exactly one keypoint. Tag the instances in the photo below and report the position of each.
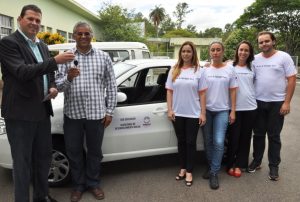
(59, 172)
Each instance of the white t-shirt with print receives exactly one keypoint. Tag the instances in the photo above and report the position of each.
(219, 81)
(270, 76)
(245, 97)
(186, 87)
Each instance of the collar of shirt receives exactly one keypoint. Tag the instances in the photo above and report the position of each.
(76, 51)
(30, 41)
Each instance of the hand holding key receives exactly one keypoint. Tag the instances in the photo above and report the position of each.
(64, 57)
(73, 71)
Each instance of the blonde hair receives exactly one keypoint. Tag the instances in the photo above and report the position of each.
(179, 64)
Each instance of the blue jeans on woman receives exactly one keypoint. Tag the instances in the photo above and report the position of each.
(214, 136)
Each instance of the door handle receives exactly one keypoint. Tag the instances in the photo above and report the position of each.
(158, 111)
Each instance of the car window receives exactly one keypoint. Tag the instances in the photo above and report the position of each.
(129, 83)
(132, 54)
(121, 68)
(152, 76)
(145, 87)
(146, 54)
(118, 55)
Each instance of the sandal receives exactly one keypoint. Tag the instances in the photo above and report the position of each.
(178, 177)
(188, 183)
(237, 172)
(231, 172)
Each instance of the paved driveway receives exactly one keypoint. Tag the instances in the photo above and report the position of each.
(152, 179)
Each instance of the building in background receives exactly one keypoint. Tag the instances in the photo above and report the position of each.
(58, 16)
(199, 42)
(175, 43)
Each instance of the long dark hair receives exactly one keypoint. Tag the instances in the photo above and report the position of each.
(251, 54)
(179, 64)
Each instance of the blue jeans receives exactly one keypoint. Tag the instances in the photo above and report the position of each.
(214, 136)
(85, 164)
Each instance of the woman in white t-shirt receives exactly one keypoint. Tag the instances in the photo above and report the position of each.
(186, 88)
(239, 133)
(220, 98)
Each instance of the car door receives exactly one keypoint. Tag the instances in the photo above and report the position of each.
(140, 126)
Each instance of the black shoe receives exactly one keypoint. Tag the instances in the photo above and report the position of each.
(213, 181)
(206, 174)
(49, 199)
(253, 167)
(46, 199)
(273, 174)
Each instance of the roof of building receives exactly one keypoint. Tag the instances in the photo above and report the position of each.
(78, 8)
(196, 41)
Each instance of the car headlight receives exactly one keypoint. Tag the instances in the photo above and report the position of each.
(2, 126)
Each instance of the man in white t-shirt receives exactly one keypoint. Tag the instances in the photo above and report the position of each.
(275, 81)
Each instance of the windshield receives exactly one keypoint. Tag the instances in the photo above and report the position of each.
(120, 68)
(118, 55)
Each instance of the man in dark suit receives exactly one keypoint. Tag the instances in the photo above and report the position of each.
(28, 75)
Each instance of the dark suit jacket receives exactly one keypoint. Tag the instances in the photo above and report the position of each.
(22, 97)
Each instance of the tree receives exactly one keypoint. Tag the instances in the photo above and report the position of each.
(204, 53)
(214, 32)
(228, 28)
(192, 29)
(179, 33)
(138, 17)
(116, 24)
(167, 25)
(236, 37)
(182, 9)
(280, 16)
(157, 15)
(150, 29)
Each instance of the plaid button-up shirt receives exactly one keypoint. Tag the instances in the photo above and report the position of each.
(92, 94)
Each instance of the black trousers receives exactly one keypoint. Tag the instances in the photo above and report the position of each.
(270, 122)
(31, 149)
(239, 139)
(186, 130)
(84, 164)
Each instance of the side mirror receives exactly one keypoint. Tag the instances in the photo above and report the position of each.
(121, 97)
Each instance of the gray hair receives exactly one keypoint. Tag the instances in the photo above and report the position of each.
(82, 24)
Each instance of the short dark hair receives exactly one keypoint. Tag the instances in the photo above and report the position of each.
(82, 24)
(30, 7)
(266, 32)
(251, 54)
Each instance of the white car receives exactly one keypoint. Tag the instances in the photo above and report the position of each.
(140, 126)
(117, 50)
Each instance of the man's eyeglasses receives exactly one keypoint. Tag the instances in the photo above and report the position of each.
(87, 34)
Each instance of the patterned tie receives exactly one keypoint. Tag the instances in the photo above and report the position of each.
(45, 81)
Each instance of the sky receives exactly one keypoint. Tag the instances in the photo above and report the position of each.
(205, 14)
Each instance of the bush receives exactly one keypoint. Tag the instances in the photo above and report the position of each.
(50, 38)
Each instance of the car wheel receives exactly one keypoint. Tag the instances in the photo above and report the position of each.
(59, 173)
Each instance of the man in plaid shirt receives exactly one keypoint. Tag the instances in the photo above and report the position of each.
(90, 89)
